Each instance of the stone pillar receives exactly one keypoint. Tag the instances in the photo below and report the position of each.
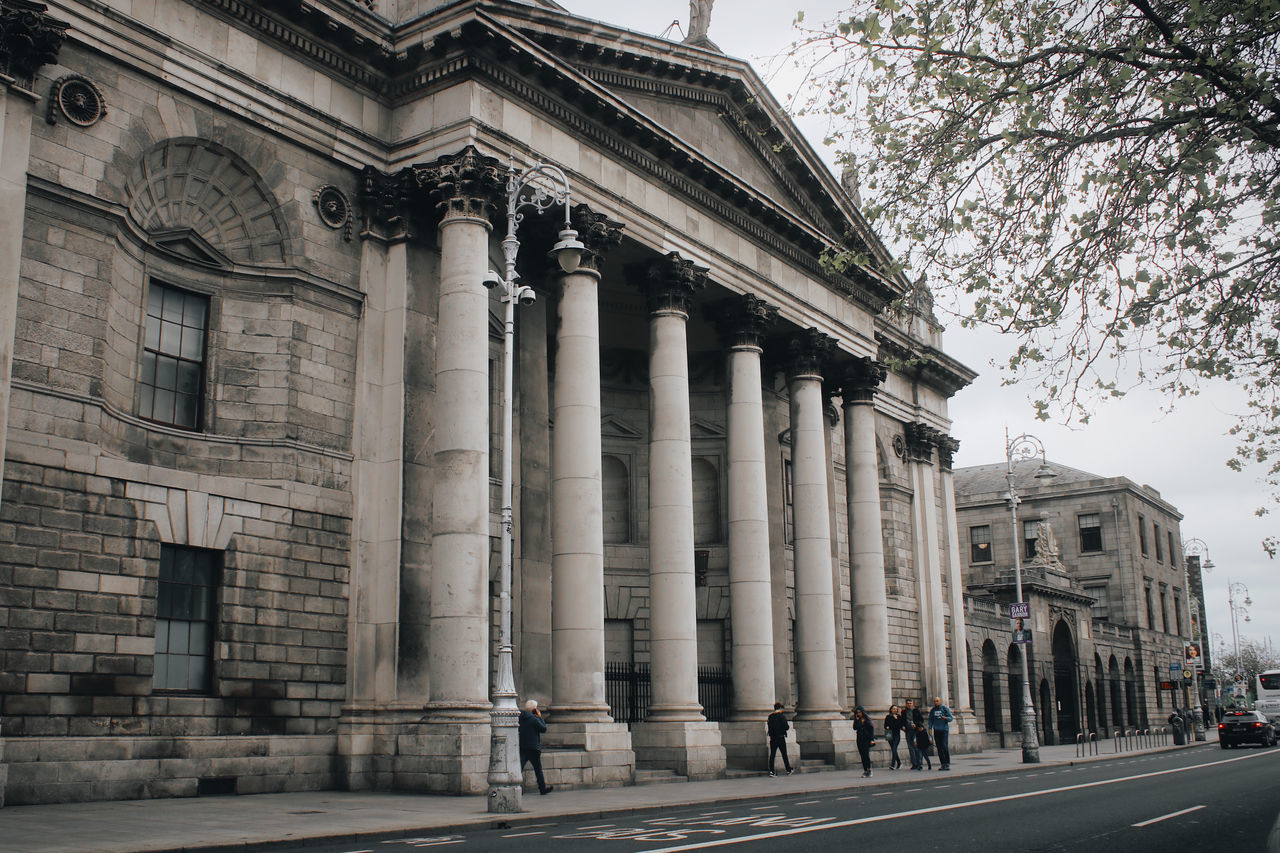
(820, 727)
(962, 701)
(675, 734)
(28, 41)
(925, 542)
(456, 741)
(871, 663)
(743, 322)
(579, 714)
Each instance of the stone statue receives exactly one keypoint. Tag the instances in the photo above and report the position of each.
(1046, 544)
(699, 20)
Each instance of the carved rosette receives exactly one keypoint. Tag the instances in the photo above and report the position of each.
(29, 39)
(464, 184)
(597, 232)
(670, 282)
(743, 320)
(384, 198)
(862, 376)
(921, 439)
(809, 353)
(947, 446)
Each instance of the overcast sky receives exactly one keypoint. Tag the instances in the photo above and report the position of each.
(1182, 455)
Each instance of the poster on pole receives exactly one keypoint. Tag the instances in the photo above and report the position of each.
(1191, 656)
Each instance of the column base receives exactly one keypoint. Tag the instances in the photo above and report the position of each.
(831, 741)
(393, 749)
(585, 755)
(965, 723)
(746, 744)
(691, 749)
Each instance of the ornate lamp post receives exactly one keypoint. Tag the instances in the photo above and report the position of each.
(1195, 548)
(538, 187)
(1239, 601)
(1024, 446)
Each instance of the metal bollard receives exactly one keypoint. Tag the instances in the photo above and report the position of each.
(1093, 743)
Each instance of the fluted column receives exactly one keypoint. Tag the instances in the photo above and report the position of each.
(947, 446)
(466, 185)
(920, 441)
(577, 531)
(871, 663)
(743, 322)
(815, 608)
(672, 613)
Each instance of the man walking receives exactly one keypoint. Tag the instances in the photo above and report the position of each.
(531, 728)
(778, 727)
(940, 722)
(913, 722)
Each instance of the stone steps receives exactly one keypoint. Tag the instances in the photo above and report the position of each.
(658, 776)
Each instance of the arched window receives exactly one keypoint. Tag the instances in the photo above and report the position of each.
(617, 500)
(706, 502)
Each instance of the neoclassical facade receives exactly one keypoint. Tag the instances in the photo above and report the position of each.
(250, 524)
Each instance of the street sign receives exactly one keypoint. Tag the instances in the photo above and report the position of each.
(1175, 667)
(1020, 610)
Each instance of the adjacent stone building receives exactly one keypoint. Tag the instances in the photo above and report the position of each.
(251, 383)
(1104, 572)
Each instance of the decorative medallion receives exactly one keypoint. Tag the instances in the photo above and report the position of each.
(334, 209)
(78, 99)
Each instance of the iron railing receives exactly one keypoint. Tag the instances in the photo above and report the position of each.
(628, 690)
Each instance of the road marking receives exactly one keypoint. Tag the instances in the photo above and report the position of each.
(1167, 816)
(523, 834)
(724, 842)
(807, 803)
(762, 808)
(910, 790)
(881, 794)
(848, 798)
(597, 826)
(966, 784)
(713, 814)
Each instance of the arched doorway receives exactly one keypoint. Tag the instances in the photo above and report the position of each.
(991, 686)
(1130, 693)
(1100, 691)
(1064, 683)
(1046, 713)
(1117, 704)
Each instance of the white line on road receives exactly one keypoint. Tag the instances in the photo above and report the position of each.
(847, 798)
(1167, 816)
(713, 814)
(597, 826)
(724, 842)
(523, 834)
(807, 803)
(882, 794)
(761, 808)
(966, 784)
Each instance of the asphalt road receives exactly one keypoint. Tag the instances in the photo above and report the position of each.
(1193, 800)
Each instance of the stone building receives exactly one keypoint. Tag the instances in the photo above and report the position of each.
(1106, 578)
(252, 391)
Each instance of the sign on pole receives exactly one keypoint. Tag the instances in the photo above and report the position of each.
(1020, 610)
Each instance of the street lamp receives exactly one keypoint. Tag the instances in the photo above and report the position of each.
(1024, 446)
(538, 187)
(1238, 608)
(1195, 548)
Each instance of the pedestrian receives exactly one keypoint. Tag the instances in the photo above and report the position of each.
(531, 728)
(865, 732)
(1208, 716)
(940, 727)
(778, 727)
(912, 720)
(923, 747)
(893, 723)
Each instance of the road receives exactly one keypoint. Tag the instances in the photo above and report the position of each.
(1197, 799)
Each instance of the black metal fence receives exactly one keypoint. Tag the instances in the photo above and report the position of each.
(627, 687)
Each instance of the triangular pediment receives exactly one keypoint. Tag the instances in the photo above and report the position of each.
(700, 429)
(189, 246)
(616, 428)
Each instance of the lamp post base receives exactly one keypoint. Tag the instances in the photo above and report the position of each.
(504, 799)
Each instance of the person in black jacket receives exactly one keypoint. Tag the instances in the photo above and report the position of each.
(865, 732)
(531, 728)
(893, 725)
(912, 721)
(778, 727)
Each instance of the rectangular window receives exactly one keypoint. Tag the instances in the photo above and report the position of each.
(1142, 534)
(173, 354)
(1030, 533)
(1164, 611)
(788, 505)
(185, 612)
(1177, 612)
(1151, 619)
(1173, 558)
(1159, 547)
(980, 544)
(1101, 601)
(1090, 532)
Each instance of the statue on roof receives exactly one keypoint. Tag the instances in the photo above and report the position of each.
(699, 21)
(1046, 546)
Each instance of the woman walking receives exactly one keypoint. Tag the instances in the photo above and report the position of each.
(865, 731)
(893, 723)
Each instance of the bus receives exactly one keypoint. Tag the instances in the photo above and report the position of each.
(1268, 695)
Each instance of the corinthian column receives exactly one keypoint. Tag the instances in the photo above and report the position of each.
(963, 702)
(920, 441)
(820, 727)
(675, 733)
(866, 539)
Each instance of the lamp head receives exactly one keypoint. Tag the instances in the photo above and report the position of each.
(568, 250)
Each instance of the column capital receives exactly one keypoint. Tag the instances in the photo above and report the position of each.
(921, 440)
(670, 282)
(384, 198)
(947, 446)
(861, 377)
(743, 320)
(809, 353)
(29, 39)
(597, 232)
(464, 184)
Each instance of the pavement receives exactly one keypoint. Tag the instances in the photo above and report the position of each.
(261, 821)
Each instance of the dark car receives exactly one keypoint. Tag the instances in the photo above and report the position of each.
(1245, 727)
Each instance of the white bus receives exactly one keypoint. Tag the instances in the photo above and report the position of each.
(1268, 701)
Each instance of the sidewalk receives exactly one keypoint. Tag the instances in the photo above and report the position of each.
(248, 822)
